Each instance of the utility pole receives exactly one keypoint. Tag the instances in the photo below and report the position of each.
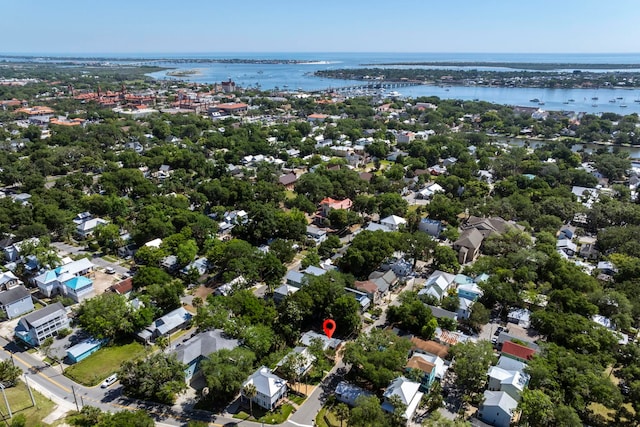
(6, 401)
(29, 389)
(75, 399)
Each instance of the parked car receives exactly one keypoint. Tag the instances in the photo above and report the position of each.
(110, 270)
(110, 380)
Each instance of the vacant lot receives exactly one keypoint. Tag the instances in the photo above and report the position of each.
(20, 403)
(104, 362)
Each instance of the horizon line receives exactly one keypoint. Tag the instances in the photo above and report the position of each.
(306, 52)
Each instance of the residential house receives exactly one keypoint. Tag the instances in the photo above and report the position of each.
(317, 117)
(464, 308)
(327, 204)
(421, 346)
(363, 300)
(508, 376)
(607, 267)
(438, 284)
(399, 265)
(124, 287)
(295, 279)
(505, 336)
(35, 327)
(69, 280)
(84, 349)
(200, 265)
(517, 351)
(520, 316)
(429, 191)
(169, 263)
(306, 361)
(198, 348)
(282, 291)
(405, 137)
(468, 245)
(369, 288)
(16, 301)
(566, 246)
(468, 288)
(270, 388)
(384, 281)
(312, 270)
(288, 181)
(307, 338)
(441, 313)
(12, 252)
(393, 222)
(432, 227)
(567, 231)
(166, 325)
(432, 367)
(348, 393)
(86, 229)
(409, 394)
(8, 280)
(497, 408)
(316, 234)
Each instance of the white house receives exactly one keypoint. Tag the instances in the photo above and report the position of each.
(68, 280)
(497, 408)
(393, 222)
(437, 284)
(408, 392)
(270, 388)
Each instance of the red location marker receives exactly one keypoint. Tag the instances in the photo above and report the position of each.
(329, 327)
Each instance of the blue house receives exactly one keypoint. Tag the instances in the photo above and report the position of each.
(84, 349)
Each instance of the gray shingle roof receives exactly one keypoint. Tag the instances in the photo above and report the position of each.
(43, 315)
(12, 295)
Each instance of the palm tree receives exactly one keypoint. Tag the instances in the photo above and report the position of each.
(249, 391)
(342, 412)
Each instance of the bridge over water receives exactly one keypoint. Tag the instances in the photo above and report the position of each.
(368, 86)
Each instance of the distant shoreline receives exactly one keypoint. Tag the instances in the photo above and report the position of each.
(514, 65)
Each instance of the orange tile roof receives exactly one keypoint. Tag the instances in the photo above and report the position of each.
(35, 110)
(417, 362)
(232, 105)
(430, 347)
(317, 116)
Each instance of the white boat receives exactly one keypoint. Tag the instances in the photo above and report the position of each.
(393, 94)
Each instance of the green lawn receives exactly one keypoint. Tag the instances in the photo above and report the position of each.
(326, 418)
(110, 258)
(298, 400)
(20, 403)
(278, 416)
(104, 362)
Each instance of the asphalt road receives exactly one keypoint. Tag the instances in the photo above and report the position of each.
(50, 382)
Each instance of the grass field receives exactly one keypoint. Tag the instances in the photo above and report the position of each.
(20, 403)
(278, 416)
(104, 362)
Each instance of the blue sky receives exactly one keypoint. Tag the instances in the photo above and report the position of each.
(190, 26)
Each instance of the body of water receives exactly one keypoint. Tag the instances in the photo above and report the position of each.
(300, 76)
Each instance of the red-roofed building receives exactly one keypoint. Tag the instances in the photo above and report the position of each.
(369, 288)
(124, 287)
(317, 117)
(230, 108)
(328, 203)
(517, 351)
